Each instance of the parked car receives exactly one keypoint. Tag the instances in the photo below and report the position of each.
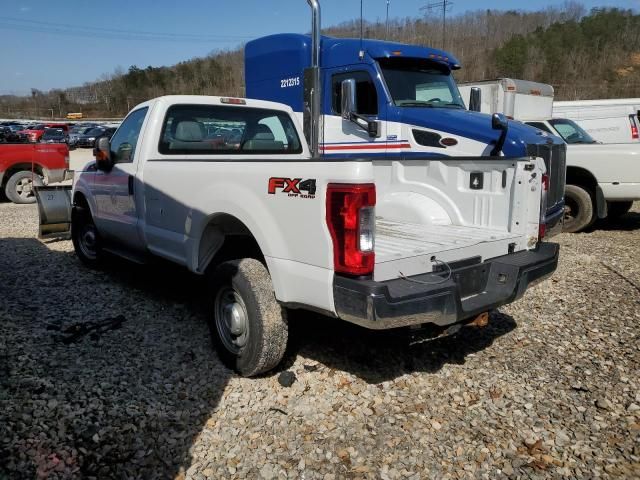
(54, 135)
(607, 121)
(76, 132)
(88, 139)
(9, 136)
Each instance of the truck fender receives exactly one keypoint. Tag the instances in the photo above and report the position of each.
(255, 222)
(584, 178)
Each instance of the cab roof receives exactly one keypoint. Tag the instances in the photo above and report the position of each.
(340, 51)
(168, 100)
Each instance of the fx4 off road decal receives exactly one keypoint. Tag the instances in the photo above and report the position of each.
(293, 187)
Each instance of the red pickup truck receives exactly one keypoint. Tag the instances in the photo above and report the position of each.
(24, 164)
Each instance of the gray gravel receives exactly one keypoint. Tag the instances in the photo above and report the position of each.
(110, 374)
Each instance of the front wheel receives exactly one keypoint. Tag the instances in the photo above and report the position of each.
(578, 209)
(85, 237)
(248, 326)
(617, 209)
(19, 187)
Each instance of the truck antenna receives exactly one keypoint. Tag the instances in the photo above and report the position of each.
(387, 23)
(361, 32)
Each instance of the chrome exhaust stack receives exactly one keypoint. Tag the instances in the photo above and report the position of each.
(314, 96)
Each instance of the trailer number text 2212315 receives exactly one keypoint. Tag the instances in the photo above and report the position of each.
(290, 82)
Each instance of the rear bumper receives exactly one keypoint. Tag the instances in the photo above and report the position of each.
(554, 220)
(471, 290)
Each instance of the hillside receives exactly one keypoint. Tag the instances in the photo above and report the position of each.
(583, 55)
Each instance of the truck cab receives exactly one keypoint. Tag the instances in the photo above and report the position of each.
(407, 105)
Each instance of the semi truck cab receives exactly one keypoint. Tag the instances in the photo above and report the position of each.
(405, 104)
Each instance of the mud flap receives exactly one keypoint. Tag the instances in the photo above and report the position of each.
(54, 209)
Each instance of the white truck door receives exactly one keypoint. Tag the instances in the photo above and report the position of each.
(118, 215)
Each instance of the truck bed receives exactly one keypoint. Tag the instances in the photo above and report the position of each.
(407, 248)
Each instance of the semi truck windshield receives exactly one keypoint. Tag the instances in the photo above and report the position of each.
(420, 83)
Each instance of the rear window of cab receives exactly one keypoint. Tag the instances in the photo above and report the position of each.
(228, 130)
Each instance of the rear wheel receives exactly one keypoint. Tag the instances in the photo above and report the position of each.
(248, 326)
(19, 187)
(578, 209)
(85, 237)
(617, 209)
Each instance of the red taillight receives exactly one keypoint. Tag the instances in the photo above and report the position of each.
(542, 227)
(545, 182)
(351, 222)
(634, 127)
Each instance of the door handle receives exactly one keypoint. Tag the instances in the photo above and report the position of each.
(130, 182)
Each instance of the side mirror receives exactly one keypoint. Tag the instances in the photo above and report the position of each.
(349, 106)
(348, 102)
(475, 97)
(373, 129)
(499, 121)
(102, 152)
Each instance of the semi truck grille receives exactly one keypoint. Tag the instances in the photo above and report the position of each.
(556, 162)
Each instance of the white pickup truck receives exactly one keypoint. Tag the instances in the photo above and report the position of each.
(603, 180)
(227, 187)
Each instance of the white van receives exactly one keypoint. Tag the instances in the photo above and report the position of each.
(607, 121)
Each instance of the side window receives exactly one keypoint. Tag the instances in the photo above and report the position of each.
(366, 98)
(230, 130)
(124, 141)
(540, 126)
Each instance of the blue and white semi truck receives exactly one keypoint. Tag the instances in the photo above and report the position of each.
(370, 98)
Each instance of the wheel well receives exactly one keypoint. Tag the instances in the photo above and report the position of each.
(583, 178)
(226, 238)
(80, 200)
(18, 167)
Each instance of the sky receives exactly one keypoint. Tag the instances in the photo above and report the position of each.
(47, 44)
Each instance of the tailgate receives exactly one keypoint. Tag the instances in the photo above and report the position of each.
(431, 213)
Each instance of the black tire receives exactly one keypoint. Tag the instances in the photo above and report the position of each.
(578, 211)
(19, 187)
(248, 327)
(617, 209)
(85, 237)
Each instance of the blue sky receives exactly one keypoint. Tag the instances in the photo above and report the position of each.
(52, 44)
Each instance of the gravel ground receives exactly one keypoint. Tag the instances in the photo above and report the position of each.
(110, 374)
